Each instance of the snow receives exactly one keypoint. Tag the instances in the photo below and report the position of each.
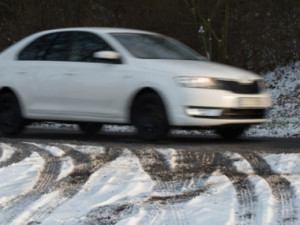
(55, 151)
(121, 191)
(8, 151)
(284, 84)
(31, 209)
(87, 149)
(121, 181)
(67, 167)
(214, 206)
(24, 176)
(288, 166)
(240, 163)
(265, 201)
(284, 163)
(124, 181)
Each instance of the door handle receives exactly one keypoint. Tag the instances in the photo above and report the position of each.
(70, 74)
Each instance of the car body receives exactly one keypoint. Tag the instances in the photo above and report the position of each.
(95, 76)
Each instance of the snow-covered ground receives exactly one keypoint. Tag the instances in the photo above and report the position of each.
(252, 189)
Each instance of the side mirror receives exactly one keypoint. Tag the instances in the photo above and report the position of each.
(108, 55)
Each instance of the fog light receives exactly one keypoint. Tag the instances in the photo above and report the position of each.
(203, 112)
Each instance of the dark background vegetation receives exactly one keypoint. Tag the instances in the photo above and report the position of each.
(257, 35)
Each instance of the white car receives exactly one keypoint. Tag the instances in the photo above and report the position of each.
(96, 76)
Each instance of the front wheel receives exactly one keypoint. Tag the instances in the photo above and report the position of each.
(231, 132)
(11, 120)
(149, 117)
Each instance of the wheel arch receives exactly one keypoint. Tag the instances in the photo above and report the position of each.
(147, 90)
(8, 90)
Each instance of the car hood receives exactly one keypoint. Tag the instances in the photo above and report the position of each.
(198, 68)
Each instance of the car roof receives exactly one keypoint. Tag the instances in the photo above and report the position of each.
(98, 30)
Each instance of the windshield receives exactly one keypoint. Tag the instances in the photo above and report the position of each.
(150, 46)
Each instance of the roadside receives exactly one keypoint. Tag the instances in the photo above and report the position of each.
(284, 84)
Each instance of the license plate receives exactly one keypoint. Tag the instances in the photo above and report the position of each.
(252, 102)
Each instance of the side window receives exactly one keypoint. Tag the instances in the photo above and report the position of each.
(37, 49)
(85, 44)
(65, 46)
(60, 49)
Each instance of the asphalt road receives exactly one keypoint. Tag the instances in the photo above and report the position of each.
(202, 143)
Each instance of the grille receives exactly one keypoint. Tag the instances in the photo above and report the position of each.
(239, 88)
(243, 114)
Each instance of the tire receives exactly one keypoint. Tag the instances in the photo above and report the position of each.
(149, 117)
(90, 128)
(231, 132)
(11, 120)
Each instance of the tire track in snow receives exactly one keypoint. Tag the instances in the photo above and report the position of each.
(170, 182)
(18, 155)
(282, 190)
(200, 166)
(191, 172)
(50, 172)
(193, 167)
(120, 211)
(65, 187)
(158, 168)
(84, 166)
(245, 190)
(46, 177)
(110, 214)
(123, 174)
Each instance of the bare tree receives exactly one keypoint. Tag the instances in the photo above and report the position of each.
(211, 20)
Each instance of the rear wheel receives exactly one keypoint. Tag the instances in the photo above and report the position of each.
(11, 120)
(149, 117)
(231, 132)
(90, 128)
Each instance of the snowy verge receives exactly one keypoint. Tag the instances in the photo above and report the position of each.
(284, 85)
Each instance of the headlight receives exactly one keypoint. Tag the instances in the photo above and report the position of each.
(197, 82)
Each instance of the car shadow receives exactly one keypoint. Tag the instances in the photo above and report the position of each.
(194, 142)
(57, 134)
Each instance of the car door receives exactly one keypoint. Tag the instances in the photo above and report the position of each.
(40, 68)
(93, 86)
(48, 89)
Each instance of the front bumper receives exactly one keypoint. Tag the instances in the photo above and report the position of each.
(207, 107)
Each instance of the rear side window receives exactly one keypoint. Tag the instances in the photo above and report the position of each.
(59, 51)
(38, 48)
(65, 46)
(50, 47)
